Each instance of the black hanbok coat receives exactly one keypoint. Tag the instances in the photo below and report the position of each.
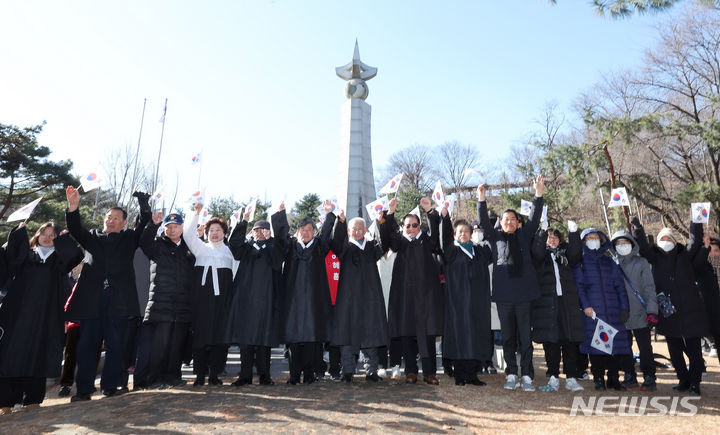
(31, 315)
(415, 307)
(466, 335)
(209, 310)
(254, 315)
(305, 312)
(359, 318)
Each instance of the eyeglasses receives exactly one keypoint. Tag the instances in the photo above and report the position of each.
(413, 225)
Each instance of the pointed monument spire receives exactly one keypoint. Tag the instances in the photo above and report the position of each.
(356, 69)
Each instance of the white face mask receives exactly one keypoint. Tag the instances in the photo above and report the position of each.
(666, 245)
(623, 249)
(477, 237)
(593, 244)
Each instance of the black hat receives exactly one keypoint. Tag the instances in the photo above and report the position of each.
(173, 218)
(262, 224)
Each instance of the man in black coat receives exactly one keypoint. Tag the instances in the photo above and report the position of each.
(305, 306)
(105, 295)
(514, 282)
(168, 313)
(359, 320)
(253, 320)
(415, 306)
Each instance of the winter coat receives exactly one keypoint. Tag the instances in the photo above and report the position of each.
(416, 299)
(675, 274)
(466, 334)
(639, 272)
(600, 286)
(171, 274)
(254, 318)
(110, 260)
(557, 318)
(31, 315)
(305, 303)
(708, 283)
(506, 288)
(359, 316)
(211, 287)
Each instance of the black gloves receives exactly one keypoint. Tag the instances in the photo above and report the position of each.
(635, 222)
(624, 316)
(143, 201)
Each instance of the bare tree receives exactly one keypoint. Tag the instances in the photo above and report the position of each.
(416, 163)
(455, 161)
(119, 165)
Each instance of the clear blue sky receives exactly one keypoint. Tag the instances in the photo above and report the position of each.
(252, 83)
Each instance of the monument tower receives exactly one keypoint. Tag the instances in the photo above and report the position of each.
(356, 185)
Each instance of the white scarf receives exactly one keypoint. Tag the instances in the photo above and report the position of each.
(44, 252)
(304, 246)
(410, 239)
(358, 244)
(558, 287)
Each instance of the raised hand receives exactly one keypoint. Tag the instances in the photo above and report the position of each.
(426, 204)
(539, 185)
(73, 198)
(706, 240)
(63, 232)
(281, 207)
(157, 218)
(198, 207)
(342, 215)
(246, 215)
(327, 206)
(392, 206)
(21, 225)
(482, 192)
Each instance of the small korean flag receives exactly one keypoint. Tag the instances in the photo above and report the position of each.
(525, 207)
(251, 209)
(197, 196)
(700, 212)
(438, 195)
(235, 217)
(619, 198)
(195, 159)
(90, 182)
(159, 194)
(392, 186)
(204, 216)
(603, 337)
(24, 212)
(376, 207)
(448, 203)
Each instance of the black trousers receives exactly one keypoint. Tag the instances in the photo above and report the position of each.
(692, 348)
(259, 356)
(515, 328)
(25, 390)
(466, 369)
(303, 359)
(209, 360)
(161, 352)
(569, 352)
(67, 377)
(132, 334)
(391, 356)
(582, 363)
(599, 364)
(410, 353)
(647, 361)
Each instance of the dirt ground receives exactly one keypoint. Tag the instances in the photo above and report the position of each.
(389, 407)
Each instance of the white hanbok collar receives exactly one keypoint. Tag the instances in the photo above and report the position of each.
(469, 254)
(410, 239)
(358, 244)
(304, 246)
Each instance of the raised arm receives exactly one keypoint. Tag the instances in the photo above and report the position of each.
(638, 233)
(695, 239)
(147, 242)
(533, 223)
(446, 232)
(72, 219)
(537, 248)
(145, 215)
(488, 229)
(339, 236)
(574, 249)
(18, 248)
(434, 228)
(326, 232)
(238, 243)
(190, 232)
(68, 252)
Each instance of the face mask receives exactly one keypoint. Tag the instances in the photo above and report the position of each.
(623, 249)
(477, 237)
(593, 244)
(666, 245)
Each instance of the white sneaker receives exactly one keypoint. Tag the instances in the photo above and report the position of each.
(527, 384)
(381, 372)
(572, 385)
(552, 385)
(396, 372)
(511, 383)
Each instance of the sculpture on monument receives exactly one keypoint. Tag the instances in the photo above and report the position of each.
(356, 185)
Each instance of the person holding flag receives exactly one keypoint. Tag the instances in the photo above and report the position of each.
(467, 338)
(169, 311)
(305, 302)
(105, 296)
(601, 290)
(682, 313)
(359, 319)
(31, 315)
(514, 282)
(415, 308)
(254, 316)
(211, 293)
(642, 297)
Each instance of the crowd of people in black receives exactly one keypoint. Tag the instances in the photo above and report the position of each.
(212, 287)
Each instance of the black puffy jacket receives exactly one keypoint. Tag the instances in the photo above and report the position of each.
(171, 271)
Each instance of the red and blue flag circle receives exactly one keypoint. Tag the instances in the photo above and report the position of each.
(616, 197)
(92, 176)
(704, 212)
(604, 337)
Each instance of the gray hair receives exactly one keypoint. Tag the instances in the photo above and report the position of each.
(352, 221)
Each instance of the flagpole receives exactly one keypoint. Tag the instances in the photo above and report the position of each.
(137, 150)
(202, 159)
(162, 133)
(602, 200)
(97, 198)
